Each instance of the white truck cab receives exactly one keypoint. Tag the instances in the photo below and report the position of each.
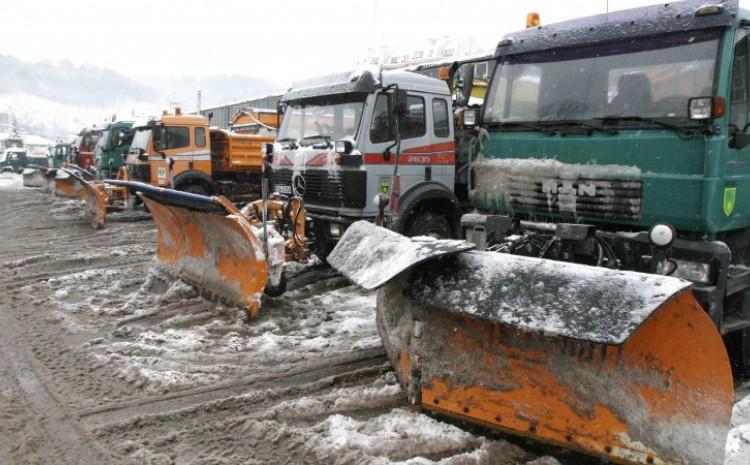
(338, 147)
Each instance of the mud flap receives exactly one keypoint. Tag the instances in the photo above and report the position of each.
(620, 365)
(371, 255)
(206, 245)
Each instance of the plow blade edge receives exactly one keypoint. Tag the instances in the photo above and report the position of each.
(207, 246)
(619, 365)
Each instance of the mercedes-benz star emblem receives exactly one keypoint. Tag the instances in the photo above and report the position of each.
(299, 185)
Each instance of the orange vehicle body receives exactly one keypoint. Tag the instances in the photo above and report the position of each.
(189, 156)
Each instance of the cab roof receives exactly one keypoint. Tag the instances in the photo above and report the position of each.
(632, 23)
(365, 81)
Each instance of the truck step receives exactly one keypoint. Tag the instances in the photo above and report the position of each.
(732, 324)
(738, 279)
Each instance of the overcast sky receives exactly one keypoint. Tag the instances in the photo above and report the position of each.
(278, 40)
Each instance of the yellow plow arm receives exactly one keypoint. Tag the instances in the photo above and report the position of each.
(620, 365)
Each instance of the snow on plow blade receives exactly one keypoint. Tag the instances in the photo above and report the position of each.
(34, 176)
(370, 255)
(619, 365)
(205, 243)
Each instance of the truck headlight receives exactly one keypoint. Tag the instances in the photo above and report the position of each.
(335, 229)
(697, 272)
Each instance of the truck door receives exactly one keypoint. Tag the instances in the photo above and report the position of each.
(736, 176)
(173, 142)
(419, 145)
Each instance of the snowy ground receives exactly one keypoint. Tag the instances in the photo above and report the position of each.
(107, 361)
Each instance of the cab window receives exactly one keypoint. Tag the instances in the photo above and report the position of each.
(200, 137)
(440, 117)
(380, 128)
(739, 95)
(175, 137)
(411, 124)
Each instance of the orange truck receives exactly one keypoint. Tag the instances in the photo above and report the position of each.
(182, 152)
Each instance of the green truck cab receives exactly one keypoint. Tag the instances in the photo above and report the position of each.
(13, 160)
(622, 140)
(60, 152)
(112, 148)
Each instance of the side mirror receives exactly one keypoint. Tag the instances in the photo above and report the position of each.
(142, 155)
(344, 147)
(268, 149)
(467, 84)
(739, 139)
(400, 106)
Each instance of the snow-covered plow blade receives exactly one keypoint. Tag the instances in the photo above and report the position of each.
(209, 243)
(619, 365)
(34, 176)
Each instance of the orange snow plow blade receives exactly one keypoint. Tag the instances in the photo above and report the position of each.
(209, 243)
(72, 184)
(69, 183)
(218, 253)
(620, 365)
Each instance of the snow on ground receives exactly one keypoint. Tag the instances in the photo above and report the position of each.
(168, 337)
(11, 181)
(738, 442)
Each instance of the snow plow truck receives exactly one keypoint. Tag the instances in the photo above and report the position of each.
(604, 272)
(607, 291)
(178, 151)
(199, 239)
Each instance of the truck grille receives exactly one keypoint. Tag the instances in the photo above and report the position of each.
(592, 198)
(324, 188)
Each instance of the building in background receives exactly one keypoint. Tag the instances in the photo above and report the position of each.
(220, 116)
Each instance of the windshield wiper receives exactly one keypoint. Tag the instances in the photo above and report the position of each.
(317, 136)
(583, 124)
(293, 141)
(520, 124)
(680, 130)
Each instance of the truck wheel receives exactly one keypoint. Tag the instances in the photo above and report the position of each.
(427, 223)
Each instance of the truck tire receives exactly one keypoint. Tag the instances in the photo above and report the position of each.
(323, 244)
(427, 223)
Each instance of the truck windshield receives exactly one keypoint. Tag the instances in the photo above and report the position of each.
(322, 120)
(141, 137)
(649, 78)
